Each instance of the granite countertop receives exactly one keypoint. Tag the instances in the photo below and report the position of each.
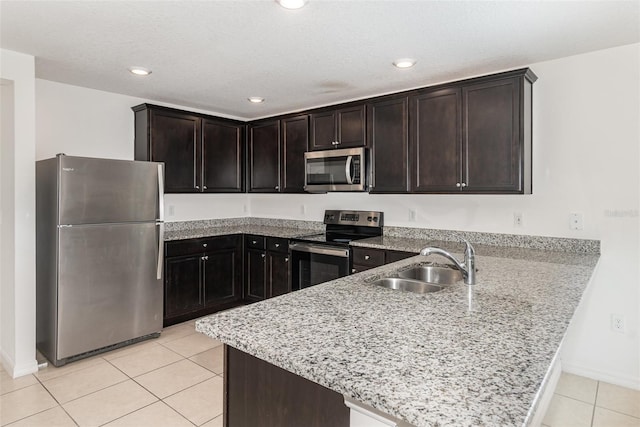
(261, 230)
(461, 356)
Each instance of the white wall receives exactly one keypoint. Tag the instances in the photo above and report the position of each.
(586, 158)
(17, 273)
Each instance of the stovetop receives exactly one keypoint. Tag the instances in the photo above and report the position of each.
(343, 227)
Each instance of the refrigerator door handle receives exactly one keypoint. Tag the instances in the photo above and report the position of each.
(160, 192)
(160, 250)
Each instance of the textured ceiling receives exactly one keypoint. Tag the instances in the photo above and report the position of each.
(212, 55)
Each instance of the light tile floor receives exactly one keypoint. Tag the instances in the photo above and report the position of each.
(176, 380)
(173, 381)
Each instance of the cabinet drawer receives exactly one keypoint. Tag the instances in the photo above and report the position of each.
(367, 256)
(358, 268)
(277, 244)
(393, 256)
(254, 242)
(196, 246)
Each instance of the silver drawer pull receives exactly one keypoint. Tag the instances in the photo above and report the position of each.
(277, 245)
(204, 245)
(367, 257)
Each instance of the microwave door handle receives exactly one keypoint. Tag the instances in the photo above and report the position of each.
(347, 170)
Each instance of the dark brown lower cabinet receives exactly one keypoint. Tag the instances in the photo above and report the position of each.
(202, 276)
(266, 267)
(258, 393)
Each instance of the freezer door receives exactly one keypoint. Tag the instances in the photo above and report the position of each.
(108, 286)
(95, 191)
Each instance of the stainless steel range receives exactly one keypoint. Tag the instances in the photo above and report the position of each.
(323, 257)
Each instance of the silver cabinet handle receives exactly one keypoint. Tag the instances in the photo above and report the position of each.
(286, 259)
(277, 245)
(263, 255)
(204, 258)
(253, 242)
(204, 187)
(204, 245)
(464, 184)
(367, 257)
(458, 184)
(197, 187)
(353, 270)
(277, 187)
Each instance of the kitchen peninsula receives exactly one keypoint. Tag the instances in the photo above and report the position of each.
(479, 356)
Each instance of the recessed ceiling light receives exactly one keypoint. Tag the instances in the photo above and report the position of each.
(140, 71)
(255, 99)
(292, 4)
(404, 63)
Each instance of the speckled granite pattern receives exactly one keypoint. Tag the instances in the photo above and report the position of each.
(415, 245)
(452, 357)
(261, 226)
(556, 244)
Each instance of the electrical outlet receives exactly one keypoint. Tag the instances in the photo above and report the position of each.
(617, 323)
(412, 215)
(518, 219)
(575, 221)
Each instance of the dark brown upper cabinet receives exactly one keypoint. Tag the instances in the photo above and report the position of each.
(497, 136)
(387, 134)
(473, 136)
(339, 128)
(200, 153)
(264, 157)
(295, 141)
(276, 155)
(436, 141)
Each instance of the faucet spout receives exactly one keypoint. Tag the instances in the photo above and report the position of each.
(467, 267)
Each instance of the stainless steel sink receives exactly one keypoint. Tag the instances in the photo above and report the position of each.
(410, 285)
(433, 274)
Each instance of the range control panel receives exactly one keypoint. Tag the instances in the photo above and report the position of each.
(361, 218)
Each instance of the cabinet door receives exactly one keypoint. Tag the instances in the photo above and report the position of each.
(388, 137)
(182, 291)
(222, 156)
(436, 141)
(323, 130)
(295, 141)
(175, 140)
(351, 125)
(221, 276)
(278, 278)
(264, 157)
(492, 146)
(255, 275)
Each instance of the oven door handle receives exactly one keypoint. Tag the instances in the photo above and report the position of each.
(317, 249)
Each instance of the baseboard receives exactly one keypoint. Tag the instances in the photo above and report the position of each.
(17, 369)
(594, 374)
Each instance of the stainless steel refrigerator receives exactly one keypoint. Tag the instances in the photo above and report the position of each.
(99, 254)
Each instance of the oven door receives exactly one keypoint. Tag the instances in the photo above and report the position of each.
(312, 264)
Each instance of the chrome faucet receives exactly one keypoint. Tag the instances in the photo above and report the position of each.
(468, 267)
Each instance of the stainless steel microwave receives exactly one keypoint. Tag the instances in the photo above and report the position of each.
(335, 170)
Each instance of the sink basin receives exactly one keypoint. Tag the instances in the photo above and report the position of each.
(433, 274)
(410, 285)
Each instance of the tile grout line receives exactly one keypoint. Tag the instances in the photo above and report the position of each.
(593, 410)
(58, 404)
